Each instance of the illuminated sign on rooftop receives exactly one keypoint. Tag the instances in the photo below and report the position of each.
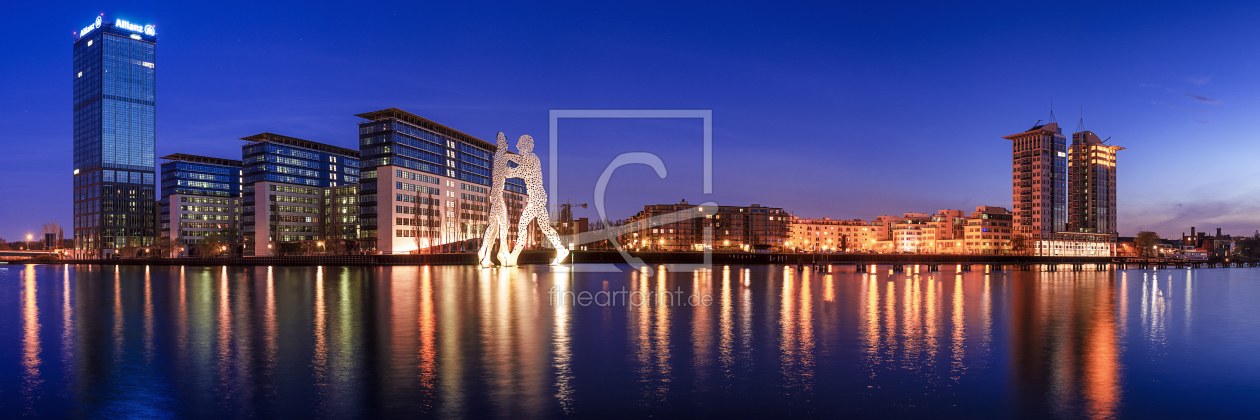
(91, 27)
(146, 29)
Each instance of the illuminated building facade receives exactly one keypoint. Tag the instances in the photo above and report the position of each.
(1091, 184)
(1039, 181)
(201, 197)
(989, 231)
(752, 228)
(341, 212)
(826, 234)
(114, 91)
(944, 232)
(284, 188)
(426, 185)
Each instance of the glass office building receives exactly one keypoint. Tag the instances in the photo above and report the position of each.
(425, 185)
(113, 90)
(200, 175)
(285, 180)
(200, 199)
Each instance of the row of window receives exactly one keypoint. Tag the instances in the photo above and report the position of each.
(203, 200)
(297, 209)
(417, 199)
(292, 199)
(407, 186)
(197, 225)
(293, 190)
(206, 209)
(417, 211)
(187, 216)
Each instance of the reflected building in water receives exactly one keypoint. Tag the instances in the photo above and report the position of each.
(1065, 343)
(467, 342)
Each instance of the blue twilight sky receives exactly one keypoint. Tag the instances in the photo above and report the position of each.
(839, 110)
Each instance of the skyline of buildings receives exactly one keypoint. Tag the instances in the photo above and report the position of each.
(293, 178)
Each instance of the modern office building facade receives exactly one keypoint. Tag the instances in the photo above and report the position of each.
(201, 198)
(426, 186)
(283, 189)
(341, 215)
(114, 89)
(1039, 181)
(1091, 184)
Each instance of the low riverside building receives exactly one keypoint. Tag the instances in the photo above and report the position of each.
(944, 233)
(283, 190)
(201, 199)
(988, 231)
(426, 186)
(1219, 246)
(985, 231)
(827, 235)
(661, 227)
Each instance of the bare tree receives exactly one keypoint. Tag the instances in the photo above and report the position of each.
(1020, 244)
(1145, 243)
(418, 234)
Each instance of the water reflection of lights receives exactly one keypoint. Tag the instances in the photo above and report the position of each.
(67, 319)
(958, 334)
(31, 345)
(561, 341)
(118, 315)
(726, 325)
(1154, 309)
(444, 344)
(148, 316)
(427, 349)
(702, 339)
(319, 361)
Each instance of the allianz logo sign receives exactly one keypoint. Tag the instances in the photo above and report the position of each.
(91, 27)
(146, 29)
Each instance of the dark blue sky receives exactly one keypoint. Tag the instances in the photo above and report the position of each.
(846, 111)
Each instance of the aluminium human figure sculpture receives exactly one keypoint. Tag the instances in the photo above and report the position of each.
(529, 169)
(496, 225)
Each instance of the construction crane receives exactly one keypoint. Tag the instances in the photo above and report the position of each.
(565, 220)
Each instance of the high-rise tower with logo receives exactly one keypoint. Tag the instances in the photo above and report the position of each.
(113, 101)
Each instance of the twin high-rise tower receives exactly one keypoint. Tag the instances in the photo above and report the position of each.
(114, 177)
(1064, 197)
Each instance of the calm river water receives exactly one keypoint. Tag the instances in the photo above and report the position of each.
(411, 342)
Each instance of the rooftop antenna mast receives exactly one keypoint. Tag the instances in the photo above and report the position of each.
(1052, 120)
(1081, 126)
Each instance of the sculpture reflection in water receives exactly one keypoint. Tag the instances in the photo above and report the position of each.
(529, 169)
